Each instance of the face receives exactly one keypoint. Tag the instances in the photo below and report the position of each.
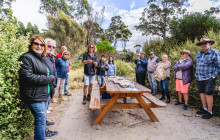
(50, 47)
(66, 55)
(142, 55)
(151, 55)
(205, 47)
(38, 46)
(111, 59)
(91, 48)
(103, 59)
(63, 49)
(164, 58)
(184, 55)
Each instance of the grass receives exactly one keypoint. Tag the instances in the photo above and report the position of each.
(76, 77)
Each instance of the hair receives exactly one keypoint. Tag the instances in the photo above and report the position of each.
(92, 46)
(143, 52)
(165, 56)
(65, 52)
(33, 38)
(103, 56)
(112, 59)
(63, 47)
(50, 40)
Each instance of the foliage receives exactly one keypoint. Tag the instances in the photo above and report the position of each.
(105, 48)
(73, 8)
(16, 121)
(155, 18)
(161, 47)
(5, 7)
(30, 29)
(193, 26)
(125, 69)
(118, 31)
(66, 32)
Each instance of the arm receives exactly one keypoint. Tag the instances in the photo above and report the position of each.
(175, 67)
(26, 72)
(185, 66)
(166, 66)
(135, 61)
(106, 67)
(143, 62)
(115, 70)
(158, 60)
(217, 65)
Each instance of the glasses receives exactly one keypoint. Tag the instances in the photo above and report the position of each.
(51, 47)
(151, 54)
(66, 54)
(183, 53)
(91, 47)
(37, 44)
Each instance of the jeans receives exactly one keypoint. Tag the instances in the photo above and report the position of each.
(39, 111)
(140, 78)
(164, 86)
(153, 82)
(66, 83)
(100, 81)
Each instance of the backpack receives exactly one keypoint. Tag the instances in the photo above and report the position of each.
(160, 72)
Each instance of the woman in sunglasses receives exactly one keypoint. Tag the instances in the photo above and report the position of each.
(37, 81)
(62, 65)
(183, 77)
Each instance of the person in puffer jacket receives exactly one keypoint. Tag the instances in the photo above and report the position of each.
(111, 67)
(101, 69)
(141, 68)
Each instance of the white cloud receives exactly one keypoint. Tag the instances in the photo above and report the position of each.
(132, 5)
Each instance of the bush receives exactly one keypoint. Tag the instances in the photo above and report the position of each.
(166, 46)
(125, 69)
(16, 121)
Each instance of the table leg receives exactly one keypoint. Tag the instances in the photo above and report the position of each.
(124, 100)
(146, 108)
(106, 109)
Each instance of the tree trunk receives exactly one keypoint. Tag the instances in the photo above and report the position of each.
(116, 40)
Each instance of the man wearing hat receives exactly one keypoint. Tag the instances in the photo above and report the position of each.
(141, 68)
(207, 70)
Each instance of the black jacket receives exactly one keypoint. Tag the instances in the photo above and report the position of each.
(89, 69)
(101, 71)
(34, 79)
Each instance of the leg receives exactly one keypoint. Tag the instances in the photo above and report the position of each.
(150, 81)
(162, 90)
(106, 109)
(39, 112)
(203, 99)
(85, 90)
(102, 81)
(99, 80)
(186, 98)
(137, 78)
(209, 99)
(56, 90)
(154, 83)
(62, 83)
(180, 96)
(90, 88)
(166, 90)
(146, 108)
(66, 84)
(142, 77)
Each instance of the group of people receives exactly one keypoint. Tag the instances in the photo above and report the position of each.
(207, 71)
(94, 67)
(43, 76)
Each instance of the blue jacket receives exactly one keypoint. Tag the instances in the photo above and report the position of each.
(141, 65)
(111, 69)
(62, 67)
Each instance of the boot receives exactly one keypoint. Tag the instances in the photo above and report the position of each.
(163, 96)
(168, 99)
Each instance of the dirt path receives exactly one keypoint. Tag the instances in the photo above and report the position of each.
(73, 121)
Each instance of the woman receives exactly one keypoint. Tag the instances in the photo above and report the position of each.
(183, 77)
(111, 67)
(37, 81)
(62, 65)
(164, 83)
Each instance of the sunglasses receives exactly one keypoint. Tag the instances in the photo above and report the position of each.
(151, 54)
(51, 47)
(66, 54)
(91, 47)
(37, 44)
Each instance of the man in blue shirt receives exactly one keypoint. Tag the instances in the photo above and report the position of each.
(207, 70)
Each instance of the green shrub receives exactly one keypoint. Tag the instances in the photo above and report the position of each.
(16, 121)
(76, 64)
(125, 69)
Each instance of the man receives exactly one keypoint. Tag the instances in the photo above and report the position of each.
(90, 61)
(141, 68)
(51, 46)
(101, 69)
(151, 68)
(207, 70)
(64, 48)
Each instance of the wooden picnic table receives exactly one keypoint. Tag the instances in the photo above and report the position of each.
(116, 91)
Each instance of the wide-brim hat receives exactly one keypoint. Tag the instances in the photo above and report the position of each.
(185, 51)
(205, 40)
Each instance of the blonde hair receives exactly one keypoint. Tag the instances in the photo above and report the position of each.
(92, 46)
(165, 56)
(65, 52)
(33, 38)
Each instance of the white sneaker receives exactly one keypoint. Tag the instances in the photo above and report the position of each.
(50, 108)
(48, 112)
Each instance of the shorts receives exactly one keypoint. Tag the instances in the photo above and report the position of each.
(206, 86)
(88, 79)
(181, 87)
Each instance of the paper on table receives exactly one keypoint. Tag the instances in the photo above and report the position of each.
(131, 89)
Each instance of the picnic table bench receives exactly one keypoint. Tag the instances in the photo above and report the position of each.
(116, 91)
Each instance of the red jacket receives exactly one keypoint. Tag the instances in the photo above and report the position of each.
(59, 56)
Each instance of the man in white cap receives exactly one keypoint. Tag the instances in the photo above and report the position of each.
(207, 70)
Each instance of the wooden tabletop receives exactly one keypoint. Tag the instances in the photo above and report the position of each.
(111, 87)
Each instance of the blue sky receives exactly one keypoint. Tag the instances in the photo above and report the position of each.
(129, 10)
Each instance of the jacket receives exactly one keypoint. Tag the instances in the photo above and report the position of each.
(62, 67)
(90, 69)
(101, 71)
(141, 65)
(111, 69)
(166, 67)
(59, 56)
(33, 78)
(152, 64)
(187, 70)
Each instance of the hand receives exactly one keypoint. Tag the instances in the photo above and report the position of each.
(95, 63)
(89, 61)
(219, 88)
(155, 72)
(102, 66)
(138, 58)
(106, 67)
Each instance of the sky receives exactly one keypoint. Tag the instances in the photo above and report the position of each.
(130, 11)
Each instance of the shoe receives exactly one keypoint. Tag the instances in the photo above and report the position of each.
(49, 123)
(178, 103)
(88, 97)
(67, 94)
(168, 100)
(185, 107)
(54, 101)
(84, 100)
(64, 99)
(162, 98)
(154, 94)
(48, 112)
(50, 108)
(50, 134)
(201, 111)
(207, 115)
